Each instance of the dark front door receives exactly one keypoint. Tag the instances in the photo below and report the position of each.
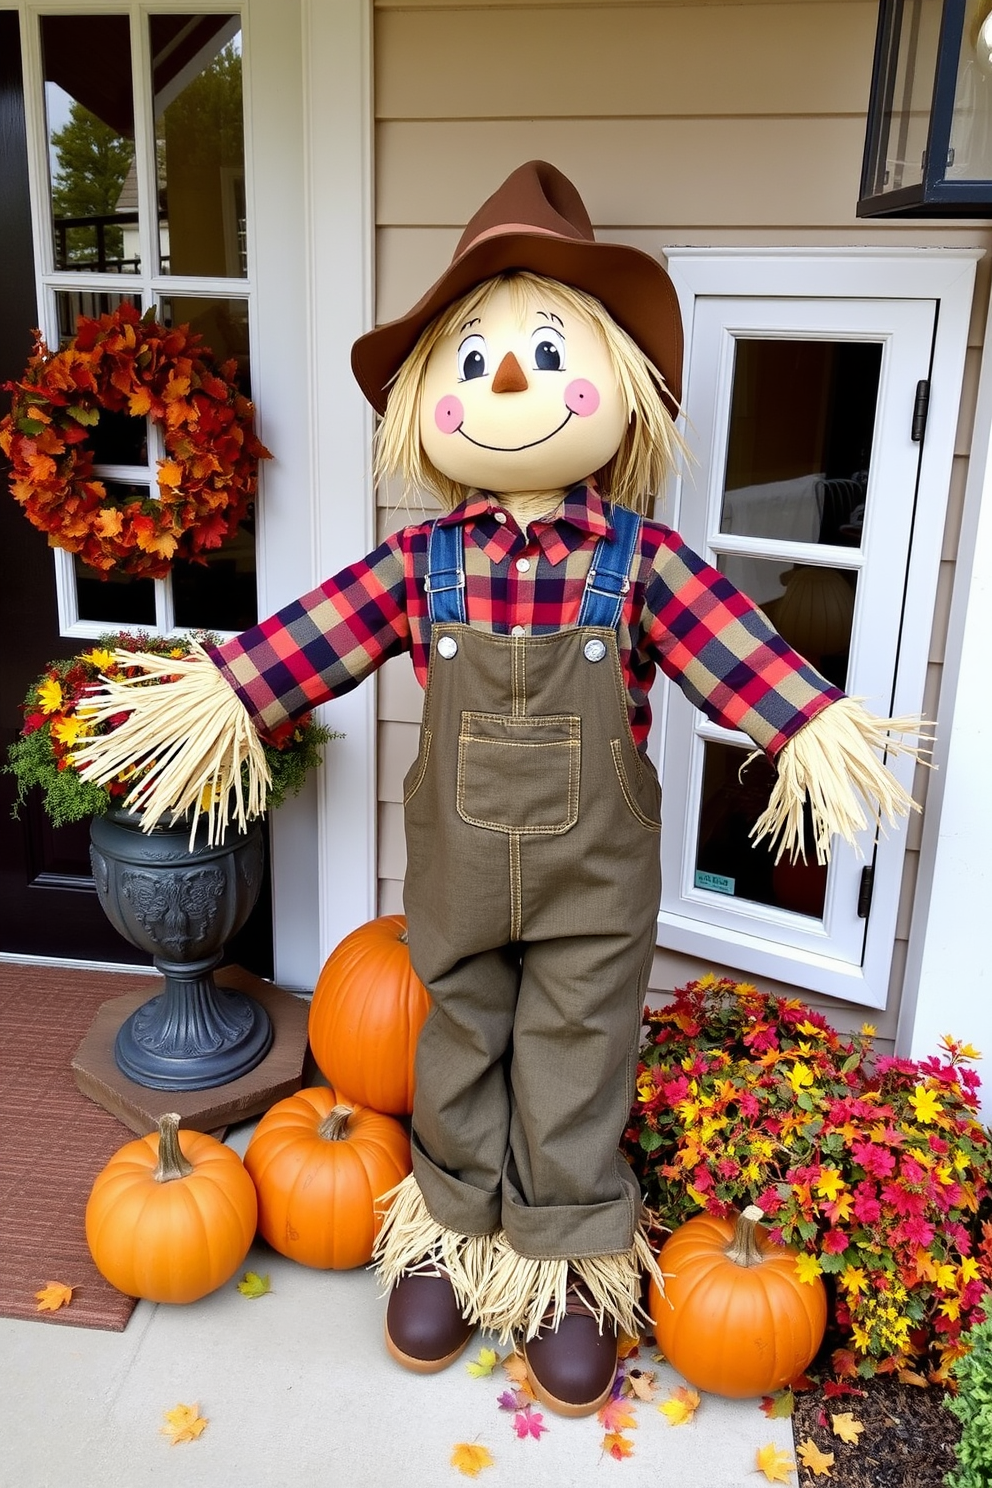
(48, 903)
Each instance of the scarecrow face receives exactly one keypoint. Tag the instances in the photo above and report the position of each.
(521, 399)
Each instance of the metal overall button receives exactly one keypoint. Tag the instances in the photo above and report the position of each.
(594, 650)
(446, 647)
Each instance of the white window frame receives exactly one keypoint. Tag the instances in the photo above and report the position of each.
(686, 923)
(307, 81)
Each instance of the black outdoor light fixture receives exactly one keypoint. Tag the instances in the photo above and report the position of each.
(928, 148)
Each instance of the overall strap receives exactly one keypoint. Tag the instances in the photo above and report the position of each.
(445, 579)
(609, 572)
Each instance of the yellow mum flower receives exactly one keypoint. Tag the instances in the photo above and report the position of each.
(67, 730)
(50, 695)
(925, 1104)
(798, 1076)
(808, 1267)
(946, 1277)
(868, 1030)
(853, 1280)
(951, 1308)
(829, 1183)
(99, 658)
(969, 1269)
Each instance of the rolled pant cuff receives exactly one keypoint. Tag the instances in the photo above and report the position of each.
(569, 1230)
(453, 1203)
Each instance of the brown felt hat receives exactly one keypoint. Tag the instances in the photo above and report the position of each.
(536, 221)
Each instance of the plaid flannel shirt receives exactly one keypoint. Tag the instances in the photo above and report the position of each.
(680, 614)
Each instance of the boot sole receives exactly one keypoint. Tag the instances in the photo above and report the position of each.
(565, 1407)
(425, 1366)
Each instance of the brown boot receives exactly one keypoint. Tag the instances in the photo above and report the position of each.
(571, 1368)
(425, 1330)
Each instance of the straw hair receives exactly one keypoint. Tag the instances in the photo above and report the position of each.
(834, 761)
(188, 738)
(650, 446)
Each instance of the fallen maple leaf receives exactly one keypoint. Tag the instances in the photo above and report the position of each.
(640, 1382)
(253, 1285)
(845, 1363)
(515, 1367)
(53, 1295)
(185, 1423)
(615, 1416)
(910, 1377)
(817, 1462)
(470, 1458)
(775, 1465)
(484, 1364)
(779, 1407)
(838, 1387)
(626, 1345)
(618, 1446)
(511, 1400)
(681, 1405)
(529, 1422)
(846, 1427)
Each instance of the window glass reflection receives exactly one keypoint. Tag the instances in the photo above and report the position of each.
(802, 422)
(119, 600)
(72, 303)
(727, 861)
(810, 606)
(90, 127)
(199, 144)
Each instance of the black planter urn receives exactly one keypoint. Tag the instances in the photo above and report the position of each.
(181, 905)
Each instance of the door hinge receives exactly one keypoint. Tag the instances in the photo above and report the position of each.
(920, 410)
(864, 892)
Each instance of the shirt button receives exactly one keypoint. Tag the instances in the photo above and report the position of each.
(500, 517)
(523, 564)
(518, 630)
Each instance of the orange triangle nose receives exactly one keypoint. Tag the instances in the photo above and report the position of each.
(510, 376)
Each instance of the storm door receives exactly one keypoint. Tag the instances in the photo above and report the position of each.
(805, 490)
(141, 199)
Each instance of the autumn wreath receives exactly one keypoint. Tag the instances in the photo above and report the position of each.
(130, 364)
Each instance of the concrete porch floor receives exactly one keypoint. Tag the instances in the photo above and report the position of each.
(298, 1389)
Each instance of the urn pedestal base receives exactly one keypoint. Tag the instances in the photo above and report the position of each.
(281, 1072)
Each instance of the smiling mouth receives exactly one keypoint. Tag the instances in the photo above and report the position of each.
(513, 449)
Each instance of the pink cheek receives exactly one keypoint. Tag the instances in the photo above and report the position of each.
(581, 397)
(449, 415)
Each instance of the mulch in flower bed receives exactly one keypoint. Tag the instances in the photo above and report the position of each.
(908, 1439)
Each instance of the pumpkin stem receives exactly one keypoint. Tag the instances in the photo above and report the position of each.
(743, 1249)
(404, 937)
(171, 1162)
(334, 1127)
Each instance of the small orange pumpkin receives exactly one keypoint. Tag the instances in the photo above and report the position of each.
(318, 1167)
(735, 1318)
(368, 1008)
(172, 1215)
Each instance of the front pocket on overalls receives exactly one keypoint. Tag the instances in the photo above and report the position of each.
(519, 774)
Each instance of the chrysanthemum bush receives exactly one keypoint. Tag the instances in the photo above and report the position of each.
(876, 1169)
(56, 727)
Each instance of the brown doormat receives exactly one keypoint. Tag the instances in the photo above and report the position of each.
(53, 1142)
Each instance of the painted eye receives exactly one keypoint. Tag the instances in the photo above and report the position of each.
(548, 346)
(473, 358)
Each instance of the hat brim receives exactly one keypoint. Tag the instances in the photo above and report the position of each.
(633, 287)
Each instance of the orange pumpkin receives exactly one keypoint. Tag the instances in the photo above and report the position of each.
(172, 1215)
(735, 1318)
(318, 1167)
(368, 1008)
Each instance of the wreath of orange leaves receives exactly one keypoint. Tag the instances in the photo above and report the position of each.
(130, 364)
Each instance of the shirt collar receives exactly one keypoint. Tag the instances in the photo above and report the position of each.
(581, 514)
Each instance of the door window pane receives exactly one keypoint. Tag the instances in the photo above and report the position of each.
(727, 861)
(90, 128)
(72, 303)
(810, 606)
(117, 600)
(220, 593)
(799, 445)
(199, 144)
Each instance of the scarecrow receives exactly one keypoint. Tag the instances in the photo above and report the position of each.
(533, 389)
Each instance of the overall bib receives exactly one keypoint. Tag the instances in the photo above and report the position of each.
(532, 889)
